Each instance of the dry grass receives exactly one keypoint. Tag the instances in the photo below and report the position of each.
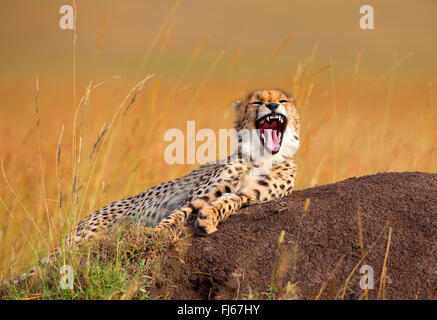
(122, 263)
(47, 186)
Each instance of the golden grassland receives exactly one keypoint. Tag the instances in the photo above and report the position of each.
(47, 182)
(71, 145)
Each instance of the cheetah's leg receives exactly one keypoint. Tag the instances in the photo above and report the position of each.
(256, 188)
(262, 190)
(181, 216)
(212, 214)
(176, 219)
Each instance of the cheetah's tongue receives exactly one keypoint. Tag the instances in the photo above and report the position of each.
(271, 139)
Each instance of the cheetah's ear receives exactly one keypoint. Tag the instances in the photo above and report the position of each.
(236, 104)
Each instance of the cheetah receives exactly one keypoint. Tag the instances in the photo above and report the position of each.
(208, 195)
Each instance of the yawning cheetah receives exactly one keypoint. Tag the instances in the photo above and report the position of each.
(260, 170)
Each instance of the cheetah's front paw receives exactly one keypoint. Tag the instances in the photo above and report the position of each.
(205, 222)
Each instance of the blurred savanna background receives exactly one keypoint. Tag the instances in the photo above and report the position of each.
(79, 129)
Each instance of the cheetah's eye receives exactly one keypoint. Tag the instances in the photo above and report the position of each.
(283, 101)
(257, 103)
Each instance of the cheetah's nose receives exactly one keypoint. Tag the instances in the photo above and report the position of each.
(272, 106)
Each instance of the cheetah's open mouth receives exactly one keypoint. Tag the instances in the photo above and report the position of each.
(271, 131)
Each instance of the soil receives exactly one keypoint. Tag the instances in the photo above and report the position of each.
(386, 221)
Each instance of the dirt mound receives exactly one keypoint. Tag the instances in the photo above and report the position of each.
(348, 224)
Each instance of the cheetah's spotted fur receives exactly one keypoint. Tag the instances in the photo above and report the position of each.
(211, 193)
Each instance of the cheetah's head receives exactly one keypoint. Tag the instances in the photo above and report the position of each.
(272, 115)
